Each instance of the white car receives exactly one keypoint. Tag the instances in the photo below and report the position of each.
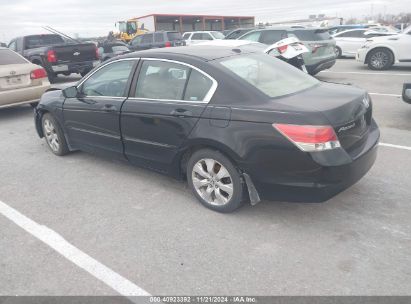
(201, 36)
(380, 53)
(349, 41)
(21, 82)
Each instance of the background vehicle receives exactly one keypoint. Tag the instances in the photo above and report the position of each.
(406, 92)
(56, 55)
(127, 30)
(238, 125)
(341, 28)
(200, 36)
(3, 44)
(348, 42)
(156, 40)
(109, 50)
(21, 82)
(318, 41)
(238, 33)
(381, 53)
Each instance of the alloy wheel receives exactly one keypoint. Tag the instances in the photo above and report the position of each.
(212, 181)
(51, 135)
(379, 60)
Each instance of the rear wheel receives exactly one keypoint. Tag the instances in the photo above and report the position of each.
(380, 59)
(215, 181)
(338, 52)
(54, 135)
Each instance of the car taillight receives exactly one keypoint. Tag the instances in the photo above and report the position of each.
(97, 53)
(314, 47)
(37, 74)
(168, 44)
(282, 48)
(310, 138)
(51, 56)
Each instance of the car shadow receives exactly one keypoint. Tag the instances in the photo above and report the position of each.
(15, 112)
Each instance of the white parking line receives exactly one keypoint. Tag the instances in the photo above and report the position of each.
(395, 146)
(368, 73)
(73, 254)
(383, 94)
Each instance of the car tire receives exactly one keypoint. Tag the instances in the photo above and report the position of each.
(54, 135)
(215, 181)
(380, 59)
(338, 52)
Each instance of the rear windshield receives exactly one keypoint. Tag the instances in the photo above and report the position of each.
(43, 40)
(10, 57)
(172, 36)
(270, 75)
(312, 35)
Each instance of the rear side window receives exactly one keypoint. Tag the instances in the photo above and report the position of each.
(10, 57)
(162, 80)
(42, 40)
(173, 36)
(270, 37)
(197, 87)
(147, 38)
(312, 35)
(158, 37)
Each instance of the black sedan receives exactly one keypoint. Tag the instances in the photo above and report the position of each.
(110, 50)
(237, 124)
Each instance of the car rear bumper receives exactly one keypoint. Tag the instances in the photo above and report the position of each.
(310, 181)
(78, 67)
(23, 95)
(320, 66)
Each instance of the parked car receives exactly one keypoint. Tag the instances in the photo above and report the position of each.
(153, 40)
(318, 41)
(238, 124)
(342, 28)
(56, 55)
(237, 33)
(406, 92)
(21, 82)
(109, 50)
(348, 42)
(381, 53)
(200, 36)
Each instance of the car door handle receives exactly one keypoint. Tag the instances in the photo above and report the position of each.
(181, 113)
(109, 108)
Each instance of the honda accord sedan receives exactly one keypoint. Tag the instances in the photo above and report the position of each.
(239, 125)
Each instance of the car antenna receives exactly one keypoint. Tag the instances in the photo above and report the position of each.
(54, 31)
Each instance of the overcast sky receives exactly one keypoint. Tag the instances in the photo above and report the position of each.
(97, 17)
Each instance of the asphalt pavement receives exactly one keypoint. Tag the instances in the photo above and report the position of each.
(144, 232)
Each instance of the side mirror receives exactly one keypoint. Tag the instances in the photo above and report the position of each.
(406, 92)
(70, 92)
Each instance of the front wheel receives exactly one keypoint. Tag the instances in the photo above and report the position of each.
(380, 59)
(338, 52)
(54, 135)
(215, 181)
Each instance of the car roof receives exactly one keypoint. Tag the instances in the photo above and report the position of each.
(201, 52)
(291, 28)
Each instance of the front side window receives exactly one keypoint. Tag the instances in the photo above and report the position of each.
(171, 81)
(186, 36)
(253, 36)
(197, 36)
(137, 40)
(110, 80)
(269, 75)
(158, 37)
(147, 38)
(13, 45)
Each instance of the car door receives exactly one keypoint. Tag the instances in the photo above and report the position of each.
(92, 119)
(403, 47)
(351, 41)
(167, 102)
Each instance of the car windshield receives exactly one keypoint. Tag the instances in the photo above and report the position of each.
(217, 35)
(10, 57)
(271, 76)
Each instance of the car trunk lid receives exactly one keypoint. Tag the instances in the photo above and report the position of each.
(15, 76)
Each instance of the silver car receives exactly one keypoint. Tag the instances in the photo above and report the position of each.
(21, 82)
